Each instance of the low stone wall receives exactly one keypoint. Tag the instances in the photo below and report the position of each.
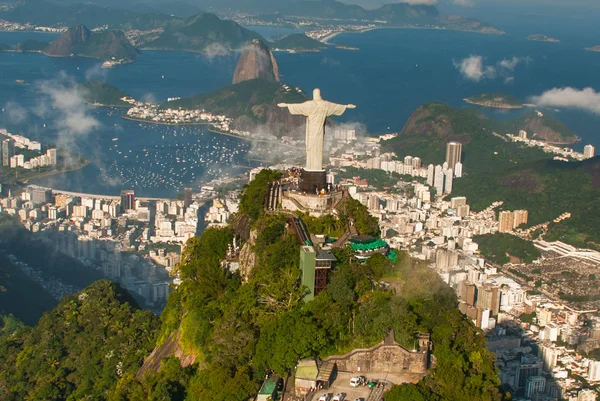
(382, 358)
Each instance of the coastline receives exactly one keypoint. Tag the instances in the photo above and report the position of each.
(59, 171)
(211, 129)
(332, 35)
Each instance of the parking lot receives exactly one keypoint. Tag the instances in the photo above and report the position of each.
(342, 385)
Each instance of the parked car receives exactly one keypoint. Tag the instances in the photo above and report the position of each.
(325, 397)
(358, 381)
(372, 383)
(339, 397)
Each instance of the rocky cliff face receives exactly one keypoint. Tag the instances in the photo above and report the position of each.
(256, 61)
(248, 257)
(66, 44)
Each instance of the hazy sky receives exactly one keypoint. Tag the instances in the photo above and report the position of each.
(507, 3)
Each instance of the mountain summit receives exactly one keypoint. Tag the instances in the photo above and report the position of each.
(256, 61)
(80, 41)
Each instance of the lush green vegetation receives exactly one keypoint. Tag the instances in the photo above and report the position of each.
(546, 189)
(499, 247)
(30, 46)
(546, 127)
(353, 210)
(199, 32)
(107, 46)
(298, 42)
(495, 100)
(92, 344)
(238, 332)
(103, 94)
(253, 99)
(80, 350)
(252, 200)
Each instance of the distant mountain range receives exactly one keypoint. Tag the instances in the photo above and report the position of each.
(199, 32)
(144, 17)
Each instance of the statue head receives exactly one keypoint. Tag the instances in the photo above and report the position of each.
(317, 94)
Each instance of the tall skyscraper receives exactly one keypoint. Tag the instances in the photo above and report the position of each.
(506, 219)
(51, 153)
(127, 199)
(438, 181)
(187, 197)
(430, 174)
(458, 170)
(416, 162)
(8, 151)
(589, 151)
(453, 154)
(521, 217)
(448, 176)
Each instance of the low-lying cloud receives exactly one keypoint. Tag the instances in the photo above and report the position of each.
(511, 63)
(474, 68)
(73, 117)
(215, 50)
(586, 99)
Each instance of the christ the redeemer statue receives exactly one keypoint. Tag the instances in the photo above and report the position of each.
(316, 111)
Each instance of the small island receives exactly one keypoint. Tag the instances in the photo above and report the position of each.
(539, 37)
(495, 100)
(594, 48)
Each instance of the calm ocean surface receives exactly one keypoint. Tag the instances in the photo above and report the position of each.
(393, 73)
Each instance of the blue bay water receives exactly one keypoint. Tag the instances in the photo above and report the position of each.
(393, 73)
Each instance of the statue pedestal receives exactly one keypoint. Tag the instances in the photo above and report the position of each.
(312, 182)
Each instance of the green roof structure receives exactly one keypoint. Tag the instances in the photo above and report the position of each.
(307, 369)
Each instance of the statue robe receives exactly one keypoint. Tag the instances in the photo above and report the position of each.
(316, 112)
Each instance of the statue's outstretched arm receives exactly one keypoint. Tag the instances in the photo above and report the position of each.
(282, 104)
(350, 106)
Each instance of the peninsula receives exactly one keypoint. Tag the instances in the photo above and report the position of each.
(98, 93)
(298, 43)
(495, 100)
(539, 37)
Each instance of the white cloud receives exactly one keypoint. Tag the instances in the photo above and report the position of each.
(584, 99)
(511, 63)
(464, 3)
(60, 102)
(420, 2)
(473, 68)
